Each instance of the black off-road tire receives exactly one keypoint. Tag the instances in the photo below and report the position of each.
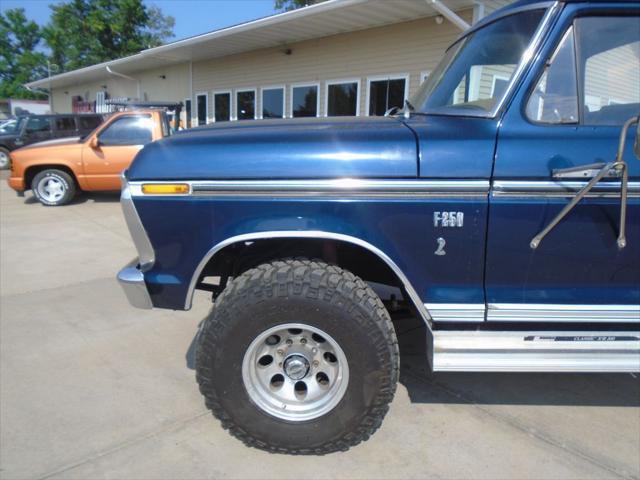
(316, 294)
(62, 178)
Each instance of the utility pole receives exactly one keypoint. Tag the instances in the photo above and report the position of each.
(51, 67)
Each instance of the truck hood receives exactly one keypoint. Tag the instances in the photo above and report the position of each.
(58, 142)
(365, 147)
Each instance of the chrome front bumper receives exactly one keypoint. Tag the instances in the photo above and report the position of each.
(131, 279)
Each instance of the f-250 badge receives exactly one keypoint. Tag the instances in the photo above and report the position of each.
(448, 219)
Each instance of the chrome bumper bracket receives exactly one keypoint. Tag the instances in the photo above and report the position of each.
(131, 279)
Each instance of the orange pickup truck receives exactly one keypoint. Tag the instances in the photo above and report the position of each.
(55, 170)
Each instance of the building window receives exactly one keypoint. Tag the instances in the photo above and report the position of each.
(342, 98)
(499, 85)
(222, 106)
(246, 105)
(187, 112)
(273, 102)
(201, 108)
(304, 101)
(386, 93)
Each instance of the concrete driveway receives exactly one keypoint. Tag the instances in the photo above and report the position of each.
(91, 388)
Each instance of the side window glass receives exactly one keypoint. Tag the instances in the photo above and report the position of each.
(89, 122)
(38, 124)
(555, 97)
(609, 65)
(127, 131)
(65, 123)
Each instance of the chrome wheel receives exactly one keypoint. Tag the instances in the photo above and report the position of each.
(4, 160)
(51, 189)
(295, 372)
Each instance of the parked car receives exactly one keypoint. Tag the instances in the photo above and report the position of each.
(55, 170)
(30, 129)
(497, 201)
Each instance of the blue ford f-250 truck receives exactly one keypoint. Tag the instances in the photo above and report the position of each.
(506, 213)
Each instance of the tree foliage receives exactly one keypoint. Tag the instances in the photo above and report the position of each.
(20, 61)
(86, 32)
(286, 5)
(79, 33)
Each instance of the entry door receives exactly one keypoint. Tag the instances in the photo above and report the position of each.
(570, 116)
(117, 145)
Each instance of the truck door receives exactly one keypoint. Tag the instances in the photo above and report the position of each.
(114, 148)
(568, 113)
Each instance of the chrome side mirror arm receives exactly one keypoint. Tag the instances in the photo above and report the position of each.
(617, 168)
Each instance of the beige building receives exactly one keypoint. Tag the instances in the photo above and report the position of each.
(339, 57)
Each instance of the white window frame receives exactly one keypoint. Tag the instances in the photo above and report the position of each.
(207, 118)
(377, 78)
(305, 84)
(340, 81)
(493, 82)
(284, 103)
(234, 115)
(185, 113)
(213, 102)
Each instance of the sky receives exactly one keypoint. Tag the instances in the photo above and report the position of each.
(192, 16)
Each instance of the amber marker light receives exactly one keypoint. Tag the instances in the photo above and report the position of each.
(165, 188)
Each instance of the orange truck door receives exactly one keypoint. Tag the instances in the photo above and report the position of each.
(113, 148)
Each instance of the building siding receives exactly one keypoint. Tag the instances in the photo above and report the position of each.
(401, 49)
(406, 50)
(174, 87)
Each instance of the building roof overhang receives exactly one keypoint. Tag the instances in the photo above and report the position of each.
(316, 21)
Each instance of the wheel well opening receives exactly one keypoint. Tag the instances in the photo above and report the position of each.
(31, 172)
(239, 257)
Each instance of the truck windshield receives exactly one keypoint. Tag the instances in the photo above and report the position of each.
(473, 76)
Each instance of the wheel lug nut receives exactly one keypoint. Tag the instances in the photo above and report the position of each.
(316, 363)
(303, 340)
(314, 350)
(280, 352)
(289, 341)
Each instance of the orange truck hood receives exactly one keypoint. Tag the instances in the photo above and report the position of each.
(55, 142)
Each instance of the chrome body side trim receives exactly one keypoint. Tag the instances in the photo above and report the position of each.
(528, 188)
(527, 312)
(341, 188)
(558, 351)
(131, 279)
(456, 312)
(139, 235)
(250, 237)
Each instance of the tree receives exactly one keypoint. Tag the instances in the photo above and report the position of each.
(286, 5)
(86, 32)
(20, 62)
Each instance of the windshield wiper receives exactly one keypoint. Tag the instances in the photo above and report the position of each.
(409, 110)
